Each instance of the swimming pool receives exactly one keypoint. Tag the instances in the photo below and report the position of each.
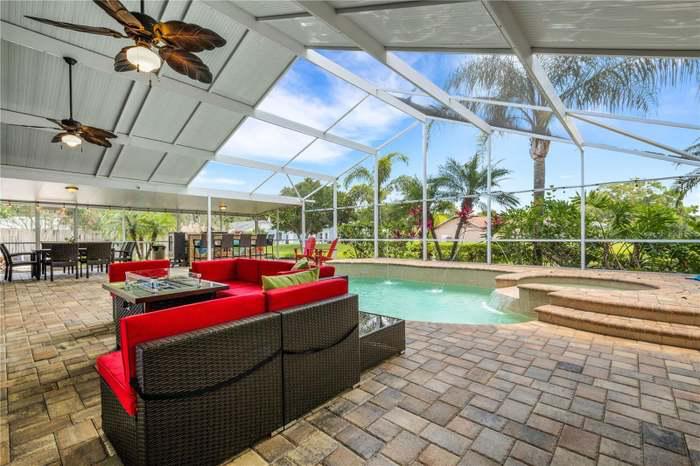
(430, 302)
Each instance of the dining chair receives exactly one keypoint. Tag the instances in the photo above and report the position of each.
(13, 260)
(98, 254)
(245, 242)
(64, 255)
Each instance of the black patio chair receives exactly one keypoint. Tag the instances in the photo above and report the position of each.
(245, 243)
(13, 260)
(125, 254)
(178, 247)
(260, 245)
(200, 248)
(226, 245)
(64, 255)
(97, 254)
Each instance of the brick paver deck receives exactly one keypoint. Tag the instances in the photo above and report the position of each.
(530, 393)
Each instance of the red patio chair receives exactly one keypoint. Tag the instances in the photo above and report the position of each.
(308, 251)
(323, 256)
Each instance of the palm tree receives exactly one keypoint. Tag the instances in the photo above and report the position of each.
(684, 185)
(411, 188)
(469, 181)
(612, 83)
(366, 176)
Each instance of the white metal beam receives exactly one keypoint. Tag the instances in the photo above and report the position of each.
(17, 118)
(369, 44)
(53, 176)
(246, 19)
(506, 22)
(102, 63)
(637, 137)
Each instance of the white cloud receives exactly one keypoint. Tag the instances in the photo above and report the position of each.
(317, 99)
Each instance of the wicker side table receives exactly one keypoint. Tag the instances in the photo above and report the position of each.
(380, 338)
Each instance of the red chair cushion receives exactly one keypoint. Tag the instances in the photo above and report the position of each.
(141, 328)
(237, 288)
(326, 271)
(117, 270)
(111, 368)
(283, 298)
(247, 270)
(220, 270)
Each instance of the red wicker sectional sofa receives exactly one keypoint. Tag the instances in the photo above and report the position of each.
(196, 384)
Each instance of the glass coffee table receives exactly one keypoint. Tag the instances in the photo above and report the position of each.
(380, 338)
(153, 290)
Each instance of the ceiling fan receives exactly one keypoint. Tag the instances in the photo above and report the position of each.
(73, 132)
(174, 41)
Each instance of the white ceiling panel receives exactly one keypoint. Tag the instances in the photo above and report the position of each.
(312, 32)
(177, 169)
(216, 123)
(200, 13)
(254, 68)
(25, 147)
(269, 7)
(135, 163)
(163, 115)
(611, 24)
(135, 100)
(448, 25)
(37, 83)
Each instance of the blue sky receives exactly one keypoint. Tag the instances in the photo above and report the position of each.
(314, 97)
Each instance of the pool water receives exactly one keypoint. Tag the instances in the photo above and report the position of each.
(430, 302)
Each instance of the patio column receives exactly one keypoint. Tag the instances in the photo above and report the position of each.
(210, 245)
(277, 234)
(75, 223)
(425, 192)
(376, 206)
(582, 206)
(488, 199)
(37, 226)
(335, 209)
(124, 227)
(303, 223)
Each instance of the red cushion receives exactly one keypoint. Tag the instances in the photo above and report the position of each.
(141, 328)
(247, 270)
(117, 270)
(272, 267)
(236, 288)
(111, 368)
(220, 270)
(283, 298)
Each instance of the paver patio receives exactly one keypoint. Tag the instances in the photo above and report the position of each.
(530, 393)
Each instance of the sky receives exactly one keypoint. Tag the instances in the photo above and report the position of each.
(312, 96)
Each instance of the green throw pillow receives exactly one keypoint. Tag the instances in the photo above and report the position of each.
(282, 281)
(301, 264)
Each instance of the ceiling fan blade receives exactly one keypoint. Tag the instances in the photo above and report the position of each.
(57, 138)
(33, 126)
(80, 27)
(56, 122)
(116, 10)
(186, 63)
(121, 64)
(97, 132)
(95, 140)
(187, 36)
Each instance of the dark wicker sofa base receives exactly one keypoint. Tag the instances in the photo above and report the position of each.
(206, 395)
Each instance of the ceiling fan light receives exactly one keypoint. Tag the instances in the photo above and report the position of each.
(71, 140)
(222, 207)
(145, 59)
(71, 189)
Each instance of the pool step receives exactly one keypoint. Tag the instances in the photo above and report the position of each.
(665, 333)
(638, 310)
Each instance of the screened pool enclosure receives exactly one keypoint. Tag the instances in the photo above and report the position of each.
(537, 133)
